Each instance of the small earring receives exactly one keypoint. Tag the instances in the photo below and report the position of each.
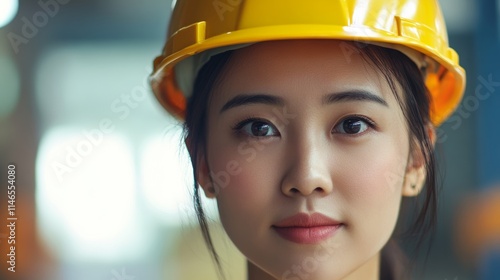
(413, 186)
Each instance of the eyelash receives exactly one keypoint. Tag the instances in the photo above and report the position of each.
(238, 127)
(371, 125)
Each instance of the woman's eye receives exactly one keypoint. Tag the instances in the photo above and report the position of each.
(257, 128)
(353, 125)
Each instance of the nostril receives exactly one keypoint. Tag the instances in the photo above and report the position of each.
(294, 190)
(319, 189)
(298, 191)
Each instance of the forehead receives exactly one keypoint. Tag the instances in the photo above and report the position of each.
(341, 51)
(291, 65)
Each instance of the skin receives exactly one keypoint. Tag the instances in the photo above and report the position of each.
(305, 160)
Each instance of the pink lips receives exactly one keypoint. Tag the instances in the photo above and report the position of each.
(307, 229)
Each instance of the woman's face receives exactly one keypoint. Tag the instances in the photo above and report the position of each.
(300, 128)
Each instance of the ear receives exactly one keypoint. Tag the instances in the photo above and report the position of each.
(202, 175)
(415, 169)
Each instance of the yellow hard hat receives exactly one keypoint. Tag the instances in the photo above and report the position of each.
(411, 26)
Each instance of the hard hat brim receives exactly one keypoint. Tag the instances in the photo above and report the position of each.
(191, 41)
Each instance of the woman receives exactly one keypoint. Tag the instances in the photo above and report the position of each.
(308, 124)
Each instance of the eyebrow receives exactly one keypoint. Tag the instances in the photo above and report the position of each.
(353, 95)
(245, 99)
(345, 96)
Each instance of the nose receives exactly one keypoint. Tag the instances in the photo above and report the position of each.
(309, 169)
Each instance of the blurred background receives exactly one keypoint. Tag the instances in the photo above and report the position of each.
(103, 183)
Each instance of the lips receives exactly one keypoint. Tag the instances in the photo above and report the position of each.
(307, 229)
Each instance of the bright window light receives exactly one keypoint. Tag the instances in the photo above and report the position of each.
(86, 198)
(93, 207)
(8, 10)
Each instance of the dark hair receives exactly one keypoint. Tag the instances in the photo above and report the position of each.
(195, 129)
(398, 70)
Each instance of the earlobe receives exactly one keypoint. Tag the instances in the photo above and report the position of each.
(414, 181)
(204, 180)
(202, 171)
(416, 168)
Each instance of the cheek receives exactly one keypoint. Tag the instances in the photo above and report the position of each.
(375, 170)
(245, 199)
(371, 184)
(244, 184)
(241, 166)
(239, 169)
(374, 176)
